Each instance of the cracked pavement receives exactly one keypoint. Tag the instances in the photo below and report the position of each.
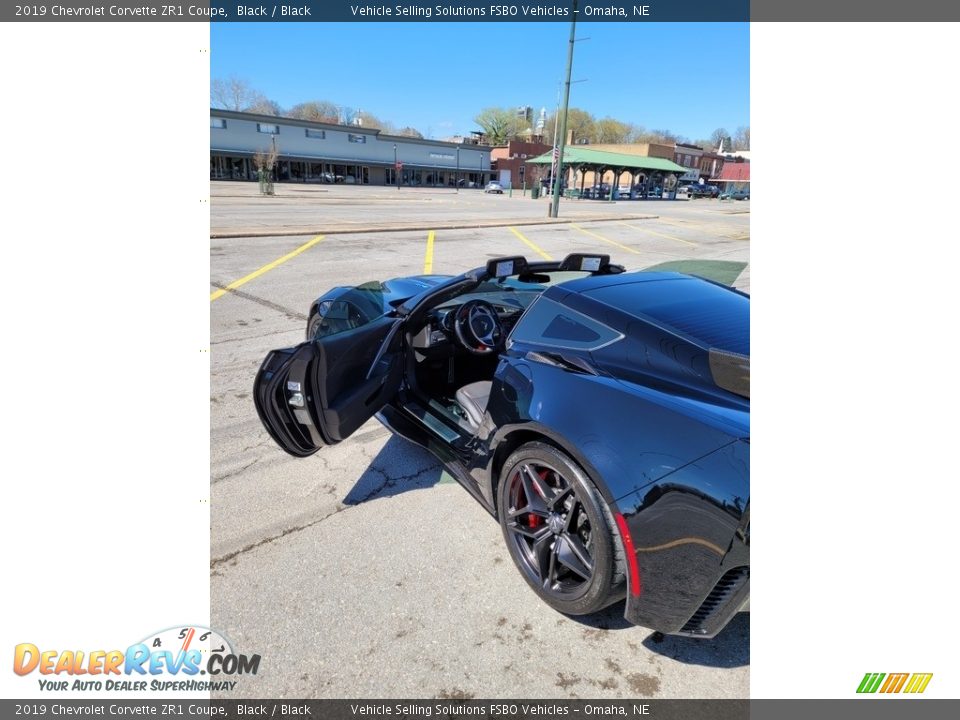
(365, 570)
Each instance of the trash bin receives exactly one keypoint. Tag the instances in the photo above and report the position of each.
(535, 192)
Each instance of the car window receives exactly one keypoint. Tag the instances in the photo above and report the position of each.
(338, 316)
(551, 324)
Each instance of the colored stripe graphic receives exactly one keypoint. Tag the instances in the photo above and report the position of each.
(870, 682)
(918, 683)
(895, 682)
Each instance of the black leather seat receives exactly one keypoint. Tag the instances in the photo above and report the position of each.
(473, 399)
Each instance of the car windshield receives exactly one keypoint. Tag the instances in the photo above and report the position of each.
(516, 291)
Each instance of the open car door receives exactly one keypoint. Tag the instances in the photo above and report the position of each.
(321, 391)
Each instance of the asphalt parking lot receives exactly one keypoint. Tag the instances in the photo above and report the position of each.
(365, 571)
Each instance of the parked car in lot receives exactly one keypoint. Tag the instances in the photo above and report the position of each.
(741, 194)
(655, 193)
(698, 190)
(624, 193)
(597, 192)
(603, 417)
(494, 187)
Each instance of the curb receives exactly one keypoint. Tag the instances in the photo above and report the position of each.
(350, 230)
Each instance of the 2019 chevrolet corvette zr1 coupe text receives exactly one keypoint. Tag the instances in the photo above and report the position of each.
(603, 417)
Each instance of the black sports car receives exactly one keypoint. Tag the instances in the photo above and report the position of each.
(601, 416)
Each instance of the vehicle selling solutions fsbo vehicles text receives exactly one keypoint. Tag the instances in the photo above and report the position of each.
(457, 11)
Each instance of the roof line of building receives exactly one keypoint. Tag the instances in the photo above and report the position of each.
(297, 122)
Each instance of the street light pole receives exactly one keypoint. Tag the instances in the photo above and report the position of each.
(457, 181)
(396, 168)
(555, 205)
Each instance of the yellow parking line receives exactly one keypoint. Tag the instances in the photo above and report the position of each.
(428, 258)
(530, 244)
(606, 240)
(659, 234)
(714, 228)
(266, 268)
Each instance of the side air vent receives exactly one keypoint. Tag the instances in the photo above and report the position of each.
(722, 592)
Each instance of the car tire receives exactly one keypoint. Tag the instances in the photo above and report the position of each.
(312, 324)
(565, 542)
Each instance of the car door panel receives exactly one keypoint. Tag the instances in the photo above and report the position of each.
(321, 391)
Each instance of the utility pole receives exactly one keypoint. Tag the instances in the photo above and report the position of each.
(556, 130)
(557, 184)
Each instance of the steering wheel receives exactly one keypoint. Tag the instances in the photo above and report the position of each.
(478, 327)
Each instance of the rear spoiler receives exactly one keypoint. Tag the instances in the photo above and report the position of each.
(731, 371)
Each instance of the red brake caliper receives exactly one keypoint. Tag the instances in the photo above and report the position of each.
(535, 521)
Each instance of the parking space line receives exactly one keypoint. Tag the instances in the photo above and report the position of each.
(533, 246)
(265, 269)
(428, 258)
(658, 234)
(606, 240)
(719, 229)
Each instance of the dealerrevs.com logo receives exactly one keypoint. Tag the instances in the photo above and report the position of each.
(894, 682)
(173, 659)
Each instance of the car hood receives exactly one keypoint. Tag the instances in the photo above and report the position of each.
(399, 290)
(377, 297)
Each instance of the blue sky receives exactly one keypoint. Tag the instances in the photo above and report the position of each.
(686, 77)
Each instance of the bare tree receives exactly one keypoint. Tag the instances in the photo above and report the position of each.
(741, 141)
(411, 132)
(265, 161)
(232, 94)
(720, 135)
(369, 120)
(261, 105)
(315, 110)
(664, 136)
(636, 134)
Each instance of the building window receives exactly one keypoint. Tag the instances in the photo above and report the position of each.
(219, 123)
(268, 129)
(357, 138)
(318, 134)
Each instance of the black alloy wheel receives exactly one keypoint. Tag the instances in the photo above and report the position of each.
(313, 324)
(559, 531)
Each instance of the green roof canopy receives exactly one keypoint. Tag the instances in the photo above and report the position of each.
(579, 155)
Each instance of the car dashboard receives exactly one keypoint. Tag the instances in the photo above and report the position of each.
(439, 333)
